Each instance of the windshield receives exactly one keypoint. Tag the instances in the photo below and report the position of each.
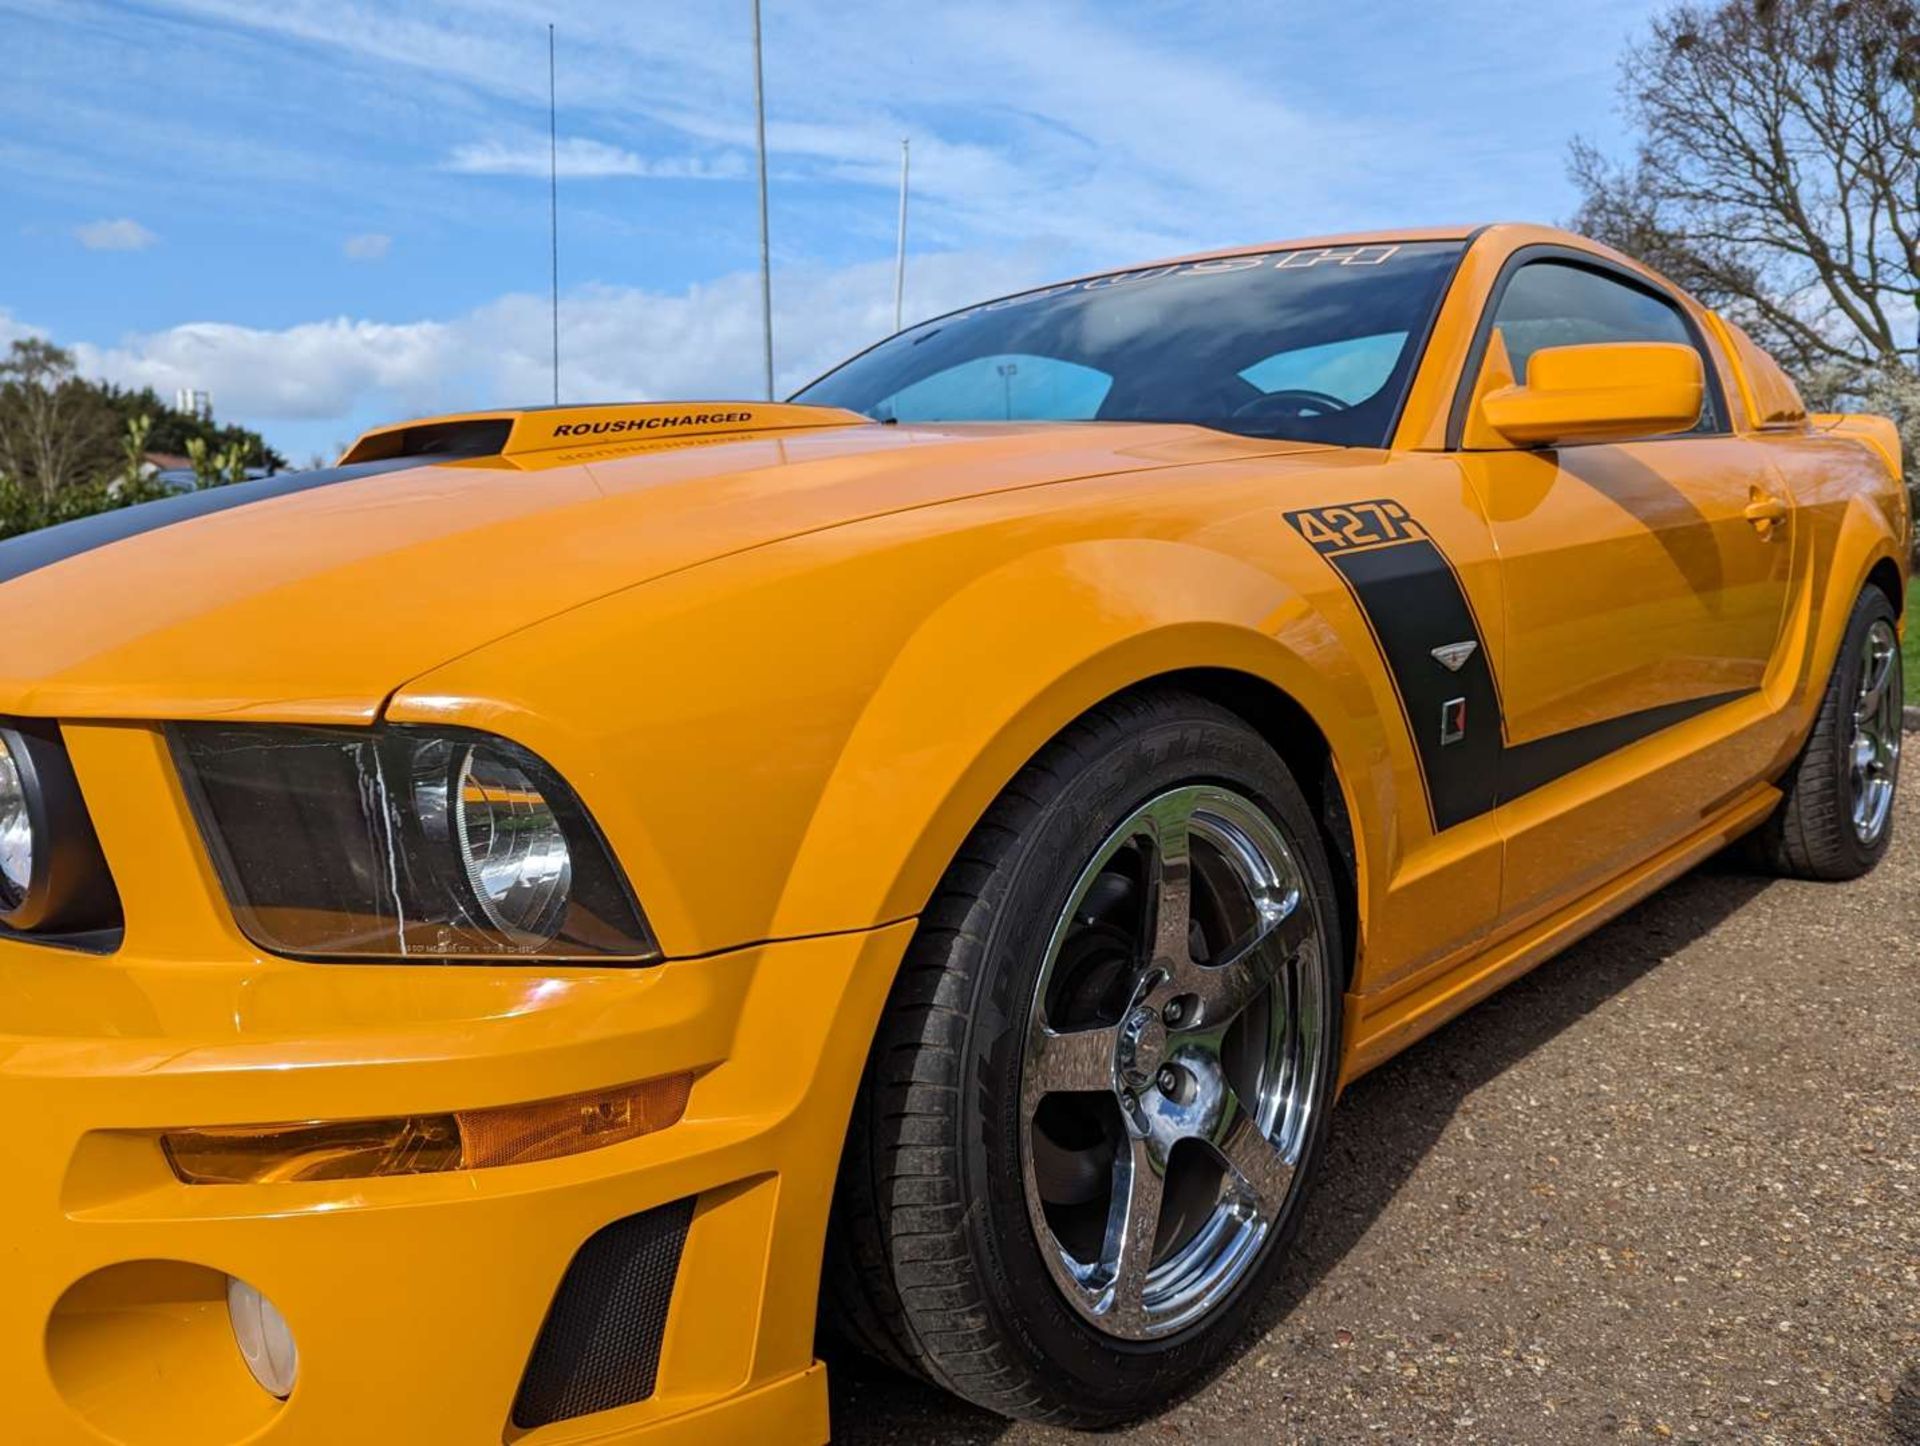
(1314, 345)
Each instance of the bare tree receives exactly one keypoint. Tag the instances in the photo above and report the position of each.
(1777, 176)
(55, 433)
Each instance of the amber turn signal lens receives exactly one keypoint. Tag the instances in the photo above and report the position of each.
(426, 1144)
(517, 1134)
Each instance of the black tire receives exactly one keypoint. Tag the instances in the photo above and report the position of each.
(933, 1264)
(1811, 835)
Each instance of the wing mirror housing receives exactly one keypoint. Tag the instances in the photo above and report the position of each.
(1601, 392)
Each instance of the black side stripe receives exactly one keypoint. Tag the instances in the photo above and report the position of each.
(1413, 605)
(1413, 602)
(1527, 766)
(34, 550)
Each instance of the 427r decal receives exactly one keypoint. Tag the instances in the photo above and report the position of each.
(1356, 525)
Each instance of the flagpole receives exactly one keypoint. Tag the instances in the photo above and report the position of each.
(900, 255)
(766, 256)
(553, 204)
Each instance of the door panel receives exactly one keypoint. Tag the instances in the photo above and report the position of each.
(1633, 578)
(1638, 596)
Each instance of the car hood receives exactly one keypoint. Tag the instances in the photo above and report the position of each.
(312, 597)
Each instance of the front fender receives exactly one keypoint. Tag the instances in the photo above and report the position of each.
(796, 740)
(1001, 667)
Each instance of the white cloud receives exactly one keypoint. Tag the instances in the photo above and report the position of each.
(616, 344)
(12, 330)
(624, 343)
(120, 235)
(1118, 129)
(314, 370)
(579, 157)
(372, 246)
(1086, 123)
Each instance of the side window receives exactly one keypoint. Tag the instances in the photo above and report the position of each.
(1552, 303)
(1007, 387)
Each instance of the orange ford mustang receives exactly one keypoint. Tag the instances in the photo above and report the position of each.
(477, 925)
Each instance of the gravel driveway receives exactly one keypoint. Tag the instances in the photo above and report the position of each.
(1667, 1186)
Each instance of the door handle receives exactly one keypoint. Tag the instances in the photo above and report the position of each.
(1765, 511)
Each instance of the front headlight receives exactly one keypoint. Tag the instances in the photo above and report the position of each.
(404, 843)
(16, 832)
(54, 883)
(513, 846)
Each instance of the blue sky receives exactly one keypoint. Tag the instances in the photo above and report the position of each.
(331, 213)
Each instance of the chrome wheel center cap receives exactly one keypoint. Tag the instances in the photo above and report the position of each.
(1140, 1047)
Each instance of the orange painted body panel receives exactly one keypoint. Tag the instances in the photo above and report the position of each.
(787, 660)
(315, 606)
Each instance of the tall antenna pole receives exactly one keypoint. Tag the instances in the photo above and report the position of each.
(553, 204)
(900, 256)
(766, 256)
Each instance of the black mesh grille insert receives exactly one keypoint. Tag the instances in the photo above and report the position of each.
(600, 1346)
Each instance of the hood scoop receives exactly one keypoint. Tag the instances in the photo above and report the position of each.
(607, 427)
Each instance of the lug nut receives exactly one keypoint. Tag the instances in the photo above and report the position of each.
(1168, 1079)
(1174, 1012)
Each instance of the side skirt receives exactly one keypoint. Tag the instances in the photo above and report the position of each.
(1384, 1024)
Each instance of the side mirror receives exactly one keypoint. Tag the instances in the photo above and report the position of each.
(1603, 392)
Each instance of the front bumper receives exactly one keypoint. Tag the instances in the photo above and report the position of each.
(414, 1300)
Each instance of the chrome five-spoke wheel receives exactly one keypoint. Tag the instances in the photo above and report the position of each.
(1102, 1088)
(1175, 1052)
(1873, 757)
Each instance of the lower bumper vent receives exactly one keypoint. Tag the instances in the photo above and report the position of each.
(600, 1346)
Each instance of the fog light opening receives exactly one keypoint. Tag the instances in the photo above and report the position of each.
(265, 1340)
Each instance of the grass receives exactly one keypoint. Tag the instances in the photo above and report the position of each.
(1910, 645)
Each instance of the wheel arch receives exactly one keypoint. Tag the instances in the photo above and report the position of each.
(940, 740)
(1857, 553)
(1885, 575)
(1866, 553)
(1292, 733)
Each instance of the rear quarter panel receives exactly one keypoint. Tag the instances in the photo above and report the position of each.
(1850, 517)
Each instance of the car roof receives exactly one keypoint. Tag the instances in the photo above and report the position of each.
(1401, 234)
(1385, 236)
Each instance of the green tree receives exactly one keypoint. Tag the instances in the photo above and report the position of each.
(217, 469)
(233, 463)
(172, 428)
(1777, 176)
(133, 450)
(70, 447)
(56, 431)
